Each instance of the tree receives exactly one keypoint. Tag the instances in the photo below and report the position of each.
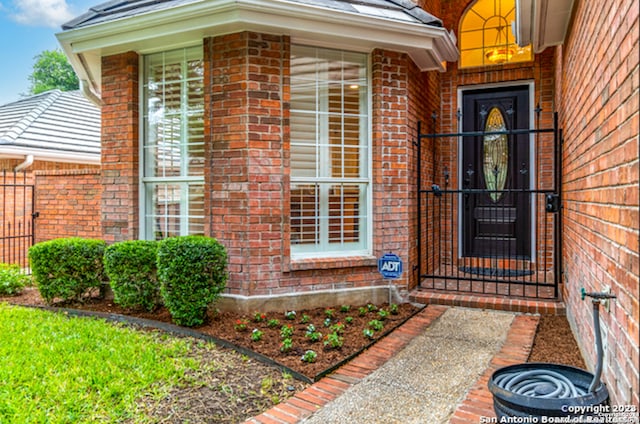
(52, 70)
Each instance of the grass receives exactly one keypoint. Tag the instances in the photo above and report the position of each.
(57, 369)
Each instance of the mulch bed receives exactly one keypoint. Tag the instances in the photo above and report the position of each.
(555, 343)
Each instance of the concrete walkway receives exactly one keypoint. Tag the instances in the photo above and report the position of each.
(434, 369)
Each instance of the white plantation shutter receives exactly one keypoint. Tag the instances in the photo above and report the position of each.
(329, 130)
(173, 144)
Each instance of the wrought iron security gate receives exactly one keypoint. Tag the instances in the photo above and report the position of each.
(17, 218)
(500, 239)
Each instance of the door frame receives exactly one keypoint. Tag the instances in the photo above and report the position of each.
(530, 84)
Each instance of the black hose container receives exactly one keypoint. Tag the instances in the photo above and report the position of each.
(507, 403)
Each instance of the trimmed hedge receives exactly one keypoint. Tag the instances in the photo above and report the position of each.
(12, 280)
(192, 273)
(131, 268)
(67, 268)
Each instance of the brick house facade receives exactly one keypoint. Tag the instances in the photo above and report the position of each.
(49, 166)
(251, 160)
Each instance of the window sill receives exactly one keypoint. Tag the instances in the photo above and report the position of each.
(332, 263)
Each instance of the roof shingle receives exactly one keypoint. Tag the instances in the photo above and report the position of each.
(403, 10)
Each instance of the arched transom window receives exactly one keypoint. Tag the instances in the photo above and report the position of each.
(486, 38)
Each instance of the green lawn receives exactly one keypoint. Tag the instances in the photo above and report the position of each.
(57, 369)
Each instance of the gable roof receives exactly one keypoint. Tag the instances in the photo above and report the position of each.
(147, 26)
(402, 10)
(54, 126)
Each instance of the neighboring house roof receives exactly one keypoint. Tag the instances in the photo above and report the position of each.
(145, 26)
(53, 126)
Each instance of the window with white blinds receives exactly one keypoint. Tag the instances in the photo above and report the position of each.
(173, 144)
(330, 152)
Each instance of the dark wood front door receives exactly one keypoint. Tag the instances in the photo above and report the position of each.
(495, 174)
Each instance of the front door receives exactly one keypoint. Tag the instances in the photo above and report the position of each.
(495, 174)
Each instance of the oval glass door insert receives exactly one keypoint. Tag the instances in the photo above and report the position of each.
(495, 154)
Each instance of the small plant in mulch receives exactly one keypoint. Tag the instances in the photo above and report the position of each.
(286, 345)
(305, 319)
(286, 331)
(337, 328)
(256, 335)
(326, 322)
(371, 307)
(333, 341)
(273, 323)
(309, 356)
(345, 308)
(241, 324)
(362, 311)
(348, 320)
(382, 314)
(376, 325)
(290, 315)
(393, 308)
(330, 313)
(368, 333)
(312, 334)
(259, 317)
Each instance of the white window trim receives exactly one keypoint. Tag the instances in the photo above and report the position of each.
(368, 227)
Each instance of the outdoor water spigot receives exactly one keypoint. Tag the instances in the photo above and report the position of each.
(596, 296)
(596, 299)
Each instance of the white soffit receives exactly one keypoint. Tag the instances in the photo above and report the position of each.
(542, 23)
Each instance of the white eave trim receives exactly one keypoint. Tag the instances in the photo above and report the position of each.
(185, 25)
(542, 23)
(15, 152)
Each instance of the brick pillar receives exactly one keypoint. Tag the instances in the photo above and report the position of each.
(120, 147)
(392, 148)
(248, 175)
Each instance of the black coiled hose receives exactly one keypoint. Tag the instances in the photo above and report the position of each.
(545, 383)
(542, 383)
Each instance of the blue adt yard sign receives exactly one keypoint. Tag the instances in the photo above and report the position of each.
(390, 266)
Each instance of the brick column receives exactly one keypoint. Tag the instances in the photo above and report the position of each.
(120, 147)
(248, 175)
(392, 148)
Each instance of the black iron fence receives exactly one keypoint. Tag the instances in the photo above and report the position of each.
(17, 218)
(490, 241)
(499, 266)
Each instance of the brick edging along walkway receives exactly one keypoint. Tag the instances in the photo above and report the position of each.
(305, 403)
(515, 350)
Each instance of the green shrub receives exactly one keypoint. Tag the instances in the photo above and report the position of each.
(12, 280)
(132, 271)
(192, 273)
(67, 268)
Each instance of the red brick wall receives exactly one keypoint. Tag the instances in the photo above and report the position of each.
(16, 206)
(246, 138)
(120, 147)
(391, 149)
(68, 204)
(597, 95)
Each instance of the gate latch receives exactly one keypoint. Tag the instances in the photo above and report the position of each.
(553, 203)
